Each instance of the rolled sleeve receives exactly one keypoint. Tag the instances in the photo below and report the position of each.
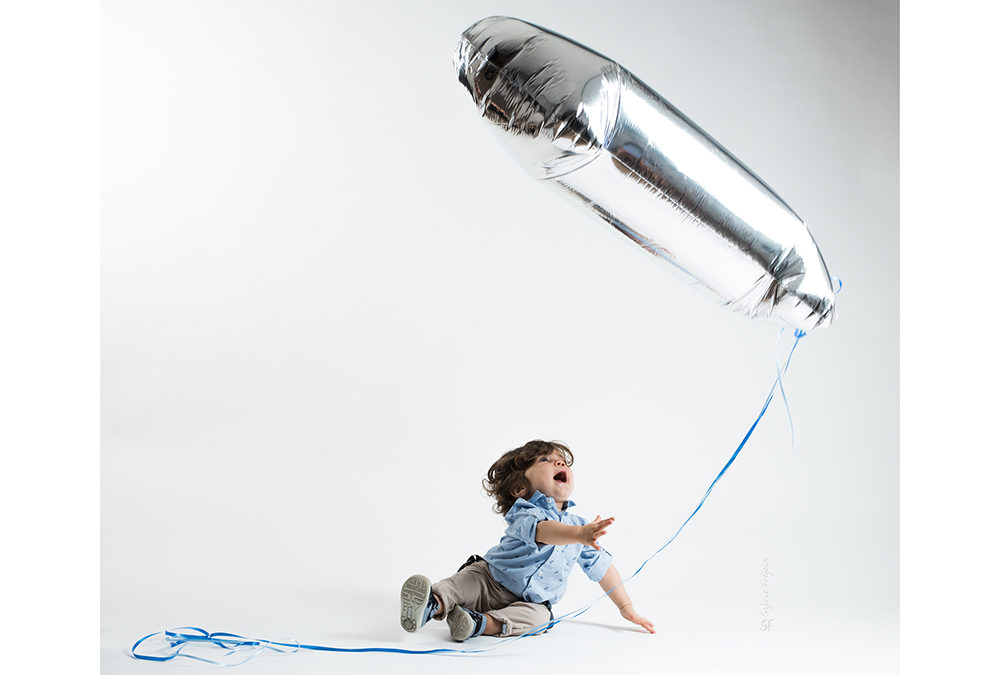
(594, 563)
(524, 522)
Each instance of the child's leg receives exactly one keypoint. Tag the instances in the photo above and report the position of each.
(519, 617)
(472, 588)
(505, 613)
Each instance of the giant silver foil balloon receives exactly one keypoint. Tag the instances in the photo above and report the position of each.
(583, 124)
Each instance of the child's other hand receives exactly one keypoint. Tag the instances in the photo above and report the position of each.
(629, 613)
(590, 533)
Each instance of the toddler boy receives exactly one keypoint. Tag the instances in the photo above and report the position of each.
(511, 590)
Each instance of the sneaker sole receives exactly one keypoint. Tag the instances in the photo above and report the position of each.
(413, 601)
(460, 624)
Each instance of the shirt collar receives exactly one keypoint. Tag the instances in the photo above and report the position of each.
(538, 499)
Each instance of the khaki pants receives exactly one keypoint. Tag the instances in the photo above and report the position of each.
(474, 588)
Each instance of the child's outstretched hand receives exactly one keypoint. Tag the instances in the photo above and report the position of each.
(590, 533)
(629, 613)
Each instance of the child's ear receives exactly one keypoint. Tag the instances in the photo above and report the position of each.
(520, 491)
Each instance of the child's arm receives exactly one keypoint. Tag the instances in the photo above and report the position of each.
(560, 534)
(612, 581)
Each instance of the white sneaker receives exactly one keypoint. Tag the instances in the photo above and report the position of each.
(416, 605)
(465, 623)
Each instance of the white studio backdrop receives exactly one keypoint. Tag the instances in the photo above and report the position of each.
(330, 300)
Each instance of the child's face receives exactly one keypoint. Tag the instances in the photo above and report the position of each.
(550, 476)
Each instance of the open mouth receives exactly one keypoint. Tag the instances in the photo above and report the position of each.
(560, 477)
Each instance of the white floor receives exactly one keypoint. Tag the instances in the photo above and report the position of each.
(688, 640)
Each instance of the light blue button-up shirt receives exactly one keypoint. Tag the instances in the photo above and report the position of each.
(539, 572)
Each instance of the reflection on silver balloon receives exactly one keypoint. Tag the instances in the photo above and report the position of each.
(582, 123)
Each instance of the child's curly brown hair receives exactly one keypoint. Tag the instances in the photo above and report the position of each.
(506, 476)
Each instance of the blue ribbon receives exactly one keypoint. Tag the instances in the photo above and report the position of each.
(177, 639)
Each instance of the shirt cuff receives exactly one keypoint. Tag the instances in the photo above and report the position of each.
(596, 571)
